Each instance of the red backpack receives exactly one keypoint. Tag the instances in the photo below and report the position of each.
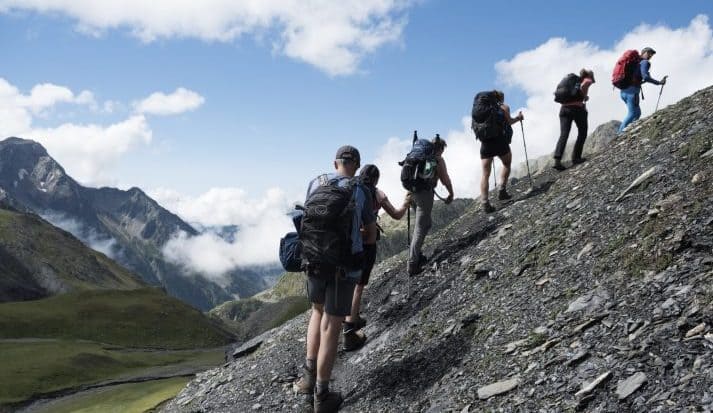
(626, 71)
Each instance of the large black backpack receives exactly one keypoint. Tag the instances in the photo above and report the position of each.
(569, 89)
(418, 169)
(487, 119)
(326, 232)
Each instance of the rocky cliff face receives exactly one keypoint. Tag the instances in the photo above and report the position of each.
(591, 293)
(127, 225)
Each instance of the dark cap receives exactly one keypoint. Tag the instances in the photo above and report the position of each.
(649, 50)
(347, 152)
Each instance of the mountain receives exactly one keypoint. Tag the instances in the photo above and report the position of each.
(128, 226)
(38, 260)
(589, 293)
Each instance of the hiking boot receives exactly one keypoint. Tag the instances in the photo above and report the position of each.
(422, 260)
(354, 340)
(358, 323)
(578, 161)
(487, 208)
(558, 165)
(503, 195)
(305, 385)
(328, 402)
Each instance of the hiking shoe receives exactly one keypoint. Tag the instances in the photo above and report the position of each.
(305, 385)
(328, 402)
(358, 323)
(558, 165)
(488, 208)
(354, 340)
(422, 260)
(503, 195)
(578, 161)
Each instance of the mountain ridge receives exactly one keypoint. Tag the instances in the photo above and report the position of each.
(130, 225)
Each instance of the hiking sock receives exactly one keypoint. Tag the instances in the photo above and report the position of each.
(322, 388)
(311, 365)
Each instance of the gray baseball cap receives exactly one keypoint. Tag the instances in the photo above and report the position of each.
(649, 50)
(348, 152)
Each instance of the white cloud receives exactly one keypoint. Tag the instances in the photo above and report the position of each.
(90, 151)
(181, 100)
(333, 36)
(686, 54)
(262, 222)
(105, 245)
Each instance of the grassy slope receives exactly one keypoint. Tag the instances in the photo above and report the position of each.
(135, 318)
(34, 368)
(249, 317)
(35, 243)
(125, 398)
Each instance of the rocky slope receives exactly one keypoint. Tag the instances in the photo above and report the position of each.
(591, 293)
(127, 225)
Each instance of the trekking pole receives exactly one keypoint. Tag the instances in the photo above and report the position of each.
(495, 179)
(659, 99)
(527, 161)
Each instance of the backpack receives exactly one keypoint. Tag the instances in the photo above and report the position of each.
(626, 70)
(327, 233)
(487, 119)
(569, 89)
(418, 169)
(290, 251)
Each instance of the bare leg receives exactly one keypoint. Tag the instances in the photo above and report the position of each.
(313, 331)
(356, 303)
(485, 179)
(330, 330)
(505, 173)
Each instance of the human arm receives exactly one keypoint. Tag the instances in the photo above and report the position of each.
(646, 76)
(508, 119)
(584, 87)
(392, 211)
(442, 172)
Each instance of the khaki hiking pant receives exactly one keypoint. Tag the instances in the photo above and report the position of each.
(424, 206)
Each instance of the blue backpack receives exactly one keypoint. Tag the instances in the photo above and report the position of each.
(290, 247)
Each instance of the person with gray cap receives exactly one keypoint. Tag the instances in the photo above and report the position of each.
(630, 94)
(338, 216)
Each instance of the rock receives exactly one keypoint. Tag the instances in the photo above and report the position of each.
(587, 248)
(697, 178)
(495, 389)
(257, 406)
(590, 301)
(626, 387)
(638, 181)
(588, 388)
(708, 154)
(696, 330)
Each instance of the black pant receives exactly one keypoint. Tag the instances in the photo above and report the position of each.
(578, 114)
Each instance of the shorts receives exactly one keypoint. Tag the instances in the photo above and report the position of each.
(333, 290)
(493, 148)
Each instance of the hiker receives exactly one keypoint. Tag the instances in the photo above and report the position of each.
(573, 109)
(629, 81)
(369, 176)
(331, 250)
(423, 198)
(496, 143)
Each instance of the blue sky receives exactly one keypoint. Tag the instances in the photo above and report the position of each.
(270, 91)
(267, 119)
